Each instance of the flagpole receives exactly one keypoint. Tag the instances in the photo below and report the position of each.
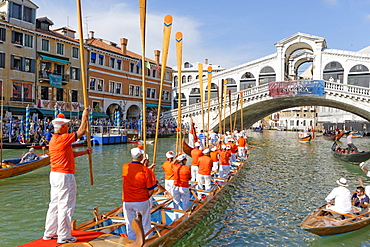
(230, 119)
(142, 4)
(84, 87)
(179, 69)
(166, 43)
(200, 75)
(209, 101)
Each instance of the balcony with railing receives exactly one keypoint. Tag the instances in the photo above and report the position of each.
(44, 75)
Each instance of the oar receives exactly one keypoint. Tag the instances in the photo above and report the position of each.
(178, 39)
(200, 76)
(84, 87)
(143, 87)
(236, 111)
(230, 118)
(241, 111)
(166, 43)
(209, 102)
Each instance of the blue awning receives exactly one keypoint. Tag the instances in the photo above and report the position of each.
(156, 105)
(99, 115)
(54, 59)
(46, 113)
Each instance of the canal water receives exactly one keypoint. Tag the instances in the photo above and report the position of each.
(280, 184)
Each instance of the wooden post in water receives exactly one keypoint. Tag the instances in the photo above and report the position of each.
(142, 6)
(84, 84)
(209, 102)
(166, 43)
(178, 39)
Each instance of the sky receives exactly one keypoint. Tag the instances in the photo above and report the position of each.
(226, 32)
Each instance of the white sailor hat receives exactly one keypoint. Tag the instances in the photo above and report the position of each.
(170, 154)
(60, 120)
(181, 157)
(136, 152)
(223, 146)
(197, 144)
(213, 149)
(206, 151)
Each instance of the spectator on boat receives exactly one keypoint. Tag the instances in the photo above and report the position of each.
(62, 180)
(182, 175)
(48, 135)
(350, 144)
(167, 168)
(138, 182)
(205, 164)
(30, 156)
(215, 156)
(21, 138)
(224, 162)
(195, 154)
(342, 198)
(360, 200)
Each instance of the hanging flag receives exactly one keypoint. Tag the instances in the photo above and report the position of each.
(157, 67)
(192, 134)
(147, 65)
(138, 64)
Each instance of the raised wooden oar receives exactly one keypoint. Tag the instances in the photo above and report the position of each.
(230, 118)
(236, 111)
(84, 87)
(209, 102)
(219, 95)
(142, 4)
(225, 87)
(178, 39)
(166, 42)
(241, 112)
(200, 76)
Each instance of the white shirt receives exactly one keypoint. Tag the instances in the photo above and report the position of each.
(342, 199)
(349, 139)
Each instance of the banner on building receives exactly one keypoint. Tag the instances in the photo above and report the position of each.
(296, 88)
(55, 80)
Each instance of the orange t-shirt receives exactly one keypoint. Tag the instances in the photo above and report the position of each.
(224, 157)
(167, 168)
(233, 147)
(195, 154)
(61, 154)
(137, 181)
(241, 142)
(214, 155)
(205, 164)
(182, 175)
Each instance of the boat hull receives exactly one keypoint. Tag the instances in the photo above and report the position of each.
(24, 168)
(333, 137)
(355, 158)
(305, 139)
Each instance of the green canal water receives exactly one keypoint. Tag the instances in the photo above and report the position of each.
(280, 184)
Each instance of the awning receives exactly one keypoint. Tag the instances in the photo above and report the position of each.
(46, 113)
(54, 59)
(21, 111)
(156, 105)
(70, 114)
(100, 115)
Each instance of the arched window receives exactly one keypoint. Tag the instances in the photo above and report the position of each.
(190, 78)
(183, 79)
(186, 65)
(175, 81)
(194, 96)
(183, 100)
(231, 85)
(247, 81)
(333, 71)
(359, 76)
(267, 74)
(197, 77)
(213, 91)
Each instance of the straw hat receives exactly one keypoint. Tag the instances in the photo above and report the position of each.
(342, 182)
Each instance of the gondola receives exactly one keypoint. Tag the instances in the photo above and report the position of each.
(333, 137)
(354, 158)
(168, 224)
(14, 168)
(16, 145)
(305, 139)
(322, 222)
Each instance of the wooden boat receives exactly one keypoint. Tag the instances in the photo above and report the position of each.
(168, 224)
(355, 158)
(321, 222)
(333, 137)
(186, 148)
(305, 139)
(75, 144)
(15, 168)
(258, 129)
(16, 145)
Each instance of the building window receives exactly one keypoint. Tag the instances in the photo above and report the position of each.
(28, 40)
(96, 105)
(2, 34)
(17, 63)
(137, 91)
(60, 93)
(111, 62)
(28, 14)
(111, 86)
(44, 93)
(22, 92)
(75, 73)
(74, 96)
(168, 76)
(27, 64)
(2, 60)
(132, 65)
(190, 78)
(75, 52)
(60, 48)
(17, 38)
(131, 90)
(16, 11)
(100, 85)
(119, 64)
(138, 70)
(92, 83)
(118, 88)
(154, 73)
(101, 60)
(45, 45)
(148, 92)
(93, 57)
(153, 93)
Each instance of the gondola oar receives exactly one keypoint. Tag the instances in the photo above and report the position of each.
(84, 87)
(178, 39)
(209, 102)
(166, 43)
(200, 74)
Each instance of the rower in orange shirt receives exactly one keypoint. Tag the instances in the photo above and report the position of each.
(241, 146)
(233, 149)
(195, 154)
(182, 175)
(215, 156)
(167, 168)
(205, 164)
(224, 162)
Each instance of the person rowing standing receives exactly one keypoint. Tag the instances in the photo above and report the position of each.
(182, 175)
(167, 168)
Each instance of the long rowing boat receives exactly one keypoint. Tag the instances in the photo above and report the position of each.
(333, 137)
(355, 158)
(168, 224)
(12, 167)
(322, 222)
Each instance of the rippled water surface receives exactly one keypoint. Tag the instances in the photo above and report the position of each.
(282, 182)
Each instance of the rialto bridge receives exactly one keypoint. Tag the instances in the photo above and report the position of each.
(346, 75)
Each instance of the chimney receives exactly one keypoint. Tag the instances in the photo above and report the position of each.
(124, 42)
(157, 54)
(91, 34)
(206, 61)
